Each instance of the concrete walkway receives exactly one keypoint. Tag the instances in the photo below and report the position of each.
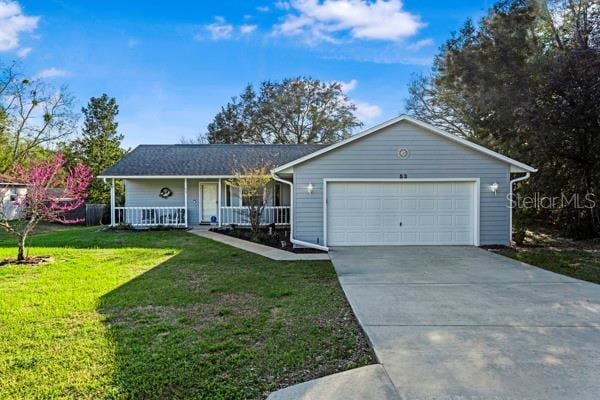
(265, 251)
(370, 382)
(463, 323)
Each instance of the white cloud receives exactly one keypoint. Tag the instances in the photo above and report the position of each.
(246, 29)
(50, 73)
(367, 111)
(348, 86)
(263, 9)
(326, 20)
(364, 111)
(24, 52)
(283, 5)
(12, 23)
(220, 29)
(420, 44)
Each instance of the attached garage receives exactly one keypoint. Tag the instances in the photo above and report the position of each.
(404, 212)
(403, 182)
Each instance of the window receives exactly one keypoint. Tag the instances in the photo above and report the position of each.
(13, 195)
(227, 195)
(277, 194)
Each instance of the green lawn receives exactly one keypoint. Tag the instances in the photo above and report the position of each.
(578, 264)
(166, 315)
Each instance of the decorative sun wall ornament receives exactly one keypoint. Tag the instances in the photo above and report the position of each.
(165, 193)
(403, 153)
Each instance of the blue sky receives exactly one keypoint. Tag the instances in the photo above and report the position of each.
(172, 65)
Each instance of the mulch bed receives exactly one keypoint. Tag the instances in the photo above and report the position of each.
(28, 261)
(268, 237)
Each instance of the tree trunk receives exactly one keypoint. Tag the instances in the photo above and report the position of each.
(21, 251)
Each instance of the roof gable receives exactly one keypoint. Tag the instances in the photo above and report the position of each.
(516, 166)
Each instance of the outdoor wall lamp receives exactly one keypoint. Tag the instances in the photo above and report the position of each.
(494, 187)
(310, 188)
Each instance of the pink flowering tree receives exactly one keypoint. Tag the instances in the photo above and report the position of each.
(42, 201)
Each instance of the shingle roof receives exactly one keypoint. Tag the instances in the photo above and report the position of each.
(205, 159)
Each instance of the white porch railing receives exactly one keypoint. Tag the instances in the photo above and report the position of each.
(278, 215)
(151, 216)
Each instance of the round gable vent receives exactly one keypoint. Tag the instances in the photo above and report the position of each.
(403, 153)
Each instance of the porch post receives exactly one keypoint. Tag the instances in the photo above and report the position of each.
(112, 203)
(219, 202)
(185, 213)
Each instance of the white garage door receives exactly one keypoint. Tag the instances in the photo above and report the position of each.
(400, 213)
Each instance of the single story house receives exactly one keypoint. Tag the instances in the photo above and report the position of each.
(11, 192)
(403, 182)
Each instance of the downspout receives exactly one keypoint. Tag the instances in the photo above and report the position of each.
(296, 241)
(519, 179)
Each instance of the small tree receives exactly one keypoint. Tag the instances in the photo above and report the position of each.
(41, 203)
(253, 182)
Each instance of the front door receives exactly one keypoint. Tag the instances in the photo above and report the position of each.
(208, 202)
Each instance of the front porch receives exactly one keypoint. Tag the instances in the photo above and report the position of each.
(189, 202)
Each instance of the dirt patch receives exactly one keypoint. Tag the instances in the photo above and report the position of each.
(278, 238)
(550, 238)
(28, 261)
(196, 316)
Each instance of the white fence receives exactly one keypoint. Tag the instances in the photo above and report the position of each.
(151, 216)
(279, 215)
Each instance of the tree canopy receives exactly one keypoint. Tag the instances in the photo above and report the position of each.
(99, 145)
(295, 110)
(524, 81)
(33, 116)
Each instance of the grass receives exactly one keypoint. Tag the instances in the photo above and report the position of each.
(166, 315)
(578, 264)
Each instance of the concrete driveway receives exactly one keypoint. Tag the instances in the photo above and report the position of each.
(463, 323)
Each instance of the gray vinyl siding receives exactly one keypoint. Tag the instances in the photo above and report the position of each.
(375, 156)
(144, 193)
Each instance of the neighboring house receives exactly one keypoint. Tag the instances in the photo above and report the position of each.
(403, 182)
(11, 192)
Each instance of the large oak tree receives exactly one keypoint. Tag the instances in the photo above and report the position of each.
(296, 110)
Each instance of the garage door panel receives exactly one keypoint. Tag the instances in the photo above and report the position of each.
(426, 220)
(445, 220)
(463, 220)
(462, 204)
(398, 213)
(445, 237)
(460, 188)
(373, 221)
(462, 236)
(409, 204)
(391, 204)
(427, 189)
(445, 204)
(426, 204)
(408, 221)
(373, 204)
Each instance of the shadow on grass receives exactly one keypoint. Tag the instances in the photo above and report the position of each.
(193, 318)
(215, 322)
